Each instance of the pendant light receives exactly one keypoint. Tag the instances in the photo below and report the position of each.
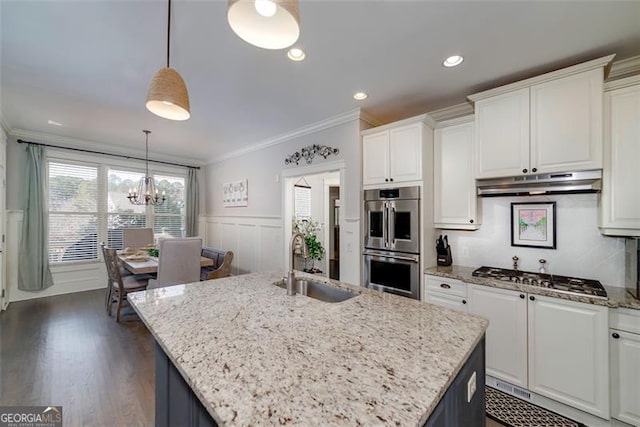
(269, 24)
(168, 96)
(147, 193)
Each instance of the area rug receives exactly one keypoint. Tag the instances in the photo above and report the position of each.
(515, 412)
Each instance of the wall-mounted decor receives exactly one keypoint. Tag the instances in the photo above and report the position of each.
(309, 152)
(533, 225)
(235, 193)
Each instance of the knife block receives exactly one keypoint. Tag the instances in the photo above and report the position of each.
(444, 257)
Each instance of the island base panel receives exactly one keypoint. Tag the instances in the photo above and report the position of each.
(176, 404)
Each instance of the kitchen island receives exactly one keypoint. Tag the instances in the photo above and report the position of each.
(239, 351)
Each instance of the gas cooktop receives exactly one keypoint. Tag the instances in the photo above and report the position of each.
(572, 285)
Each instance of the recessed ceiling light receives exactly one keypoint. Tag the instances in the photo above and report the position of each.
(296, 54)
(452, 61)
(359, 96)
(53, 122)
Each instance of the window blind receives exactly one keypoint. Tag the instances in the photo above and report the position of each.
(302, 202)
(73, 212)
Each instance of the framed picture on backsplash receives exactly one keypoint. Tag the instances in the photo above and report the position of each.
(533, 225)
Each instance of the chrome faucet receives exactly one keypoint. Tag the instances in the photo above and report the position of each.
(291, 277)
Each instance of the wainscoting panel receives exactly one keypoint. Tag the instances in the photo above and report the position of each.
(255, 241)
(66, 279)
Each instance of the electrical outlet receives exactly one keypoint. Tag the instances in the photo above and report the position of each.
(471, 387)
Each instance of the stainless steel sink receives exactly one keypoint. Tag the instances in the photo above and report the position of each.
(319, 291)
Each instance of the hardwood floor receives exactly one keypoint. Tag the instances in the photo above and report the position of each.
(65, 350)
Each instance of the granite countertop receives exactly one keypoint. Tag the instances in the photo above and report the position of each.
(617, 297)
(254, 355)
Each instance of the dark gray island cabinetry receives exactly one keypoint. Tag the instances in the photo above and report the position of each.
(239, 351)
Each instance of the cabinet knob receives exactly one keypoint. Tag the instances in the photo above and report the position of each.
(464, 301)
(521, 296)
(445, 286)
(532, 298)
(386, 180)
(470, 221)
(390, 179)
(534, 170)
(615, 335)
(524, 171)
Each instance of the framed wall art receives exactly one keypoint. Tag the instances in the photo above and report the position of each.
(235, 193)
(533, 225)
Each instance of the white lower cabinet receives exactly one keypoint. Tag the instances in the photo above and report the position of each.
(506, 338)
(553, 347)
(624, 351)
(568, 353)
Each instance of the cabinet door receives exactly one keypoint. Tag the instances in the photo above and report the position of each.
(375, 158)
(625, 377)
(455, 200)
(568, 353)
(405, 153)
(507, 332)
(620, 206)
(502, 135)
(566, 123)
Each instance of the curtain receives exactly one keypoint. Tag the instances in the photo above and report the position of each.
(193, 203)
(33, 263)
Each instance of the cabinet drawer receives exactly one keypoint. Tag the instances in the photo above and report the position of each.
(625, 319)
(446, 286)
(449, 301)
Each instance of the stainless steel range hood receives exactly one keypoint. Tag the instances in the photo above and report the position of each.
(531, 185)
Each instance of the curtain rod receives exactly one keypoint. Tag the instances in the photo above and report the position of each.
(20, 141)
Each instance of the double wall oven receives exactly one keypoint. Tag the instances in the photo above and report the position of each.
(392, 240)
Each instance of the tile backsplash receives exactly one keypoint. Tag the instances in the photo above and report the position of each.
(581, 250)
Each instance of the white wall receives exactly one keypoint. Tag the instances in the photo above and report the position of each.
(263, 170)
(581, 250)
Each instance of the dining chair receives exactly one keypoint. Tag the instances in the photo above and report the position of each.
(117, 286)
(136, 237)
(178, 262)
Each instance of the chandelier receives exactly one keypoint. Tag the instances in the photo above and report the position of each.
(147, 193)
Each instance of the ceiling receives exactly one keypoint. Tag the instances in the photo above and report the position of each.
(87, 64)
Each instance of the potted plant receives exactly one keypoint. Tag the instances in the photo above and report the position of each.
(310, 230)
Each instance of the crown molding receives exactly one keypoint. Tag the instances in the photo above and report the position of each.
(604, 62)
(64, 141)
(4, 124)
(622, 83)
(368, 118)
(425, 118)
(455, 121)
(458, 110)
(349, 116)
(625, 67)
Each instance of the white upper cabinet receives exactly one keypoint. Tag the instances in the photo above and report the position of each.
(455, 201)
(620, 199)
(502, 140)
(566, 123)
(375, 158)
(393, 154)
(550, 123)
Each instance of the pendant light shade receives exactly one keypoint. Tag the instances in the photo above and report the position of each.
(168, 96)
(269, 24)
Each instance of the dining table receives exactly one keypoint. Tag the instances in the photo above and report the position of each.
(148, 264)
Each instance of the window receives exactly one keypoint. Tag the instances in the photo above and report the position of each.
(73, 212)
(88, 204)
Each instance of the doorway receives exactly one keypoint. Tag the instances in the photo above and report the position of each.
(311, 195)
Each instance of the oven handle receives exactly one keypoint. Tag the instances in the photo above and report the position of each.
(385, 224)
(386, 255)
